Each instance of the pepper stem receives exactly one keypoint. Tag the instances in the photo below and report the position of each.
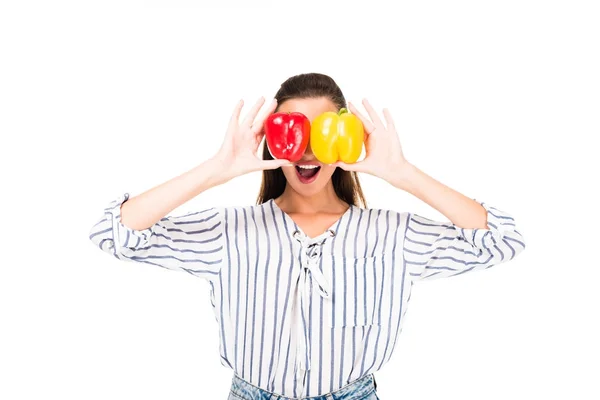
(343, 111)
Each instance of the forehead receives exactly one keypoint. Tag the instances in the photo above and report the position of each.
(311, 107)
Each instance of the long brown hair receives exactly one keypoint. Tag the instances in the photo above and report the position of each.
(303, 86)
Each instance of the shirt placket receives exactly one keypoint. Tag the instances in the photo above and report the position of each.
(310, 273)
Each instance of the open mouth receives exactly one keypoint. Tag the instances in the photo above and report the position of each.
(307, 173)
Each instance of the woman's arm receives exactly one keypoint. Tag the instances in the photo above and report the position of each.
(145, 210)
(478, 237)
(237, 156)
(192, 242)
(458, 208)
(137, 229)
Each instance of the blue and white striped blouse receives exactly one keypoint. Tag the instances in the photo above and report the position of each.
(302, 316)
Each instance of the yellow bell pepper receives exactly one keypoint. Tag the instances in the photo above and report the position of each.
(337, 137)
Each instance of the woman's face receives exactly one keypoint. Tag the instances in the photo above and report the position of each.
(308, 176)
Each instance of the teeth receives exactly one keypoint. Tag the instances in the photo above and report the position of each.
(307, 166)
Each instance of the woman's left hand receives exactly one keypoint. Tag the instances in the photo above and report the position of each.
(384, 157)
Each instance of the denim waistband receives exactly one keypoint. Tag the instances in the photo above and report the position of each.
(356, 390)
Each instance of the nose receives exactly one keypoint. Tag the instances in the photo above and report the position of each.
(308, 155)
(308, 150)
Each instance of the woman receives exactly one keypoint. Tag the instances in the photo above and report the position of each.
(308, 288)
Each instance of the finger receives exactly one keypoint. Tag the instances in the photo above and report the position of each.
(258, 123)
(348, 167)
(369, 127)
(389, 120)
(235, 116)
(374, 117)
(253, 111)
(274, 164)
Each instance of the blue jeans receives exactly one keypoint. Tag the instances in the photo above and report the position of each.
(360, 389)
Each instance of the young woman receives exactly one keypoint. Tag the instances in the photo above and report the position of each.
(309, 289)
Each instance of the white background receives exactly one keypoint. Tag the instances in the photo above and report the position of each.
(499, 100)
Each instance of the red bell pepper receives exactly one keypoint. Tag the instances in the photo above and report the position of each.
(287, 135)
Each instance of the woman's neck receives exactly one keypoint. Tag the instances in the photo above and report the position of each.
(326, 201)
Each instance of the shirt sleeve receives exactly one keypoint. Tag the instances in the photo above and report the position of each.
(435, 249)
(192, 243)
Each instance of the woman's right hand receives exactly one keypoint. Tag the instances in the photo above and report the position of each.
(238, 153)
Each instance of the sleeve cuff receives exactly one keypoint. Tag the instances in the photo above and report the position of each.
(499, 223)
(125, 237)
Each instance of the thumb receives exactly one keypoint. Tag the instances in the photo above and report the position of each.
(274, 164)
(347, 167)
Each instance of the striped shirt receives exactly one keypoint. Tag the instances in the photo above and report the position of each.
(301, 316)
